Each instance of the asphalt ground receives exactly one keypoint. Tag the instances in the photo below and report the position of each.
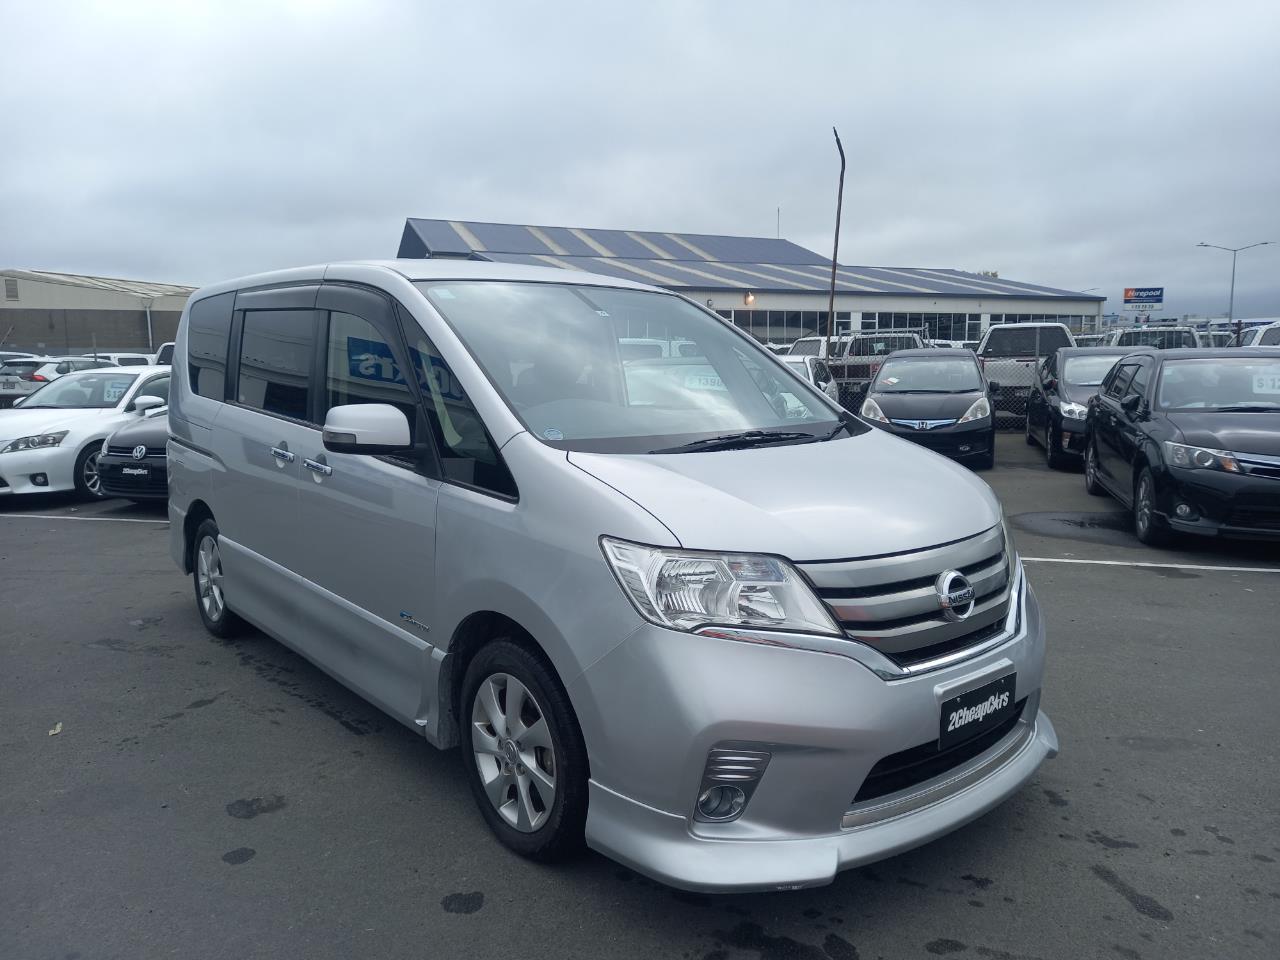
(211, 799)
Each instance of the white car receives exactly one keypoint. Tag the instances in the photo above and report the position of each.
(123, 359)
(26, 375)
(816, 372)
(52, 439)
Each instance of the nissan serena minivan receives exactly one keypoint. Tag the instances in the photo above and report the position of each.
(682, 607)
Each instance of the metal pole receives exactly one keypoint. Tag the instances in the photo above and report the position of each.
(1231, 298)
(835, 248)
(151, 342)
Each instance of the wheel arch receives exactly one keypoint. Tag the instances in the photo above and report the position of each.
(197, 514)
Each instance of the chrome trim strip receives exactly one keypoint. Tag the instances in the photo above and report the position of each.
(956, 780)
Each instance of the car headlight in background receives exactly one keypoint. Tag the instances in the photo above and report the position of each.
(40, 441)
(1072, 411)
(871, 410)
(981, 408)
(684, 590)
(1199, 458)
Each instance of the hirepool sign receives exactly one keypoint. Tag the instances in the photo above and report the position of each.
(1143, 298)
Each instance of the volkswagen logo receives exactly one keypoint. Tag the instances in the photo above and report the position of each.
(139, 452)
(955, 595)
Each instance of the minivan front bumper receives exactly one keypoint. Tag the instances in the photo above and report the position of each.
(654, 707)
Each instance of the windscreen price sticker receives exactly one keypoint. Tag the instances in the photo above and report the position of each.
(1266, 383)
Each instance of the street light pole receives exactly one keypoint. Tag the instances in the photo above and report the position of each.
(1231, 297)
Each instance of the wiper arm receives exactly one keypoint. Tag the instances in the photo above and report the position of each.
(736, 441)
(1250, 408)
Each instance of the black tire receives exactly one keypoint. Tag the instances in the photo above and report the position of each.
(1052, 452)
(1147, 527)
(1091, 483)
(561, 833)
(986, 461)
(88, 489)
(1026, 432)
(222, 622)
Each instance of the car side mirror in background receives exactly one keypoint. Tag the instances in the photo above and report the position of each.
(1131, 403)
(370, 428)
(143, 404)
(993, 386)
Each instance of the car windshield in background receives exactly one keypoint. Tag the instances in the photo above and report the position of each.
(1160, 339)
(83, 390)
(806, 348)
(555, 354)
(1244, 385)
(15, 368)
(957, 375)
(1088, 371)
(879, 346)
(1027, 342)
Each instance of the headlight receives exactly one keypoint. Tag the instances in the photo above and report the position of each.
(1199, 458)
(38, 442)
(684, 590)
(1072, 411)
(871, 410)
(981, 408)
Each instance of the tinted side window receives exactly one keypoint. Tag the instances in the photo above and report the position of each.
(467, 453)
(63, 367)
(165, 356)
(159, 387)
(1120, 380)
(362, 368)
(208, 328)
(1141, 377)
(1270, 338)
(277, 351)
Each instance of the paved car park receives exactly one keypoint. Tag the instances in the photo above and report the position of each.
(208, 798)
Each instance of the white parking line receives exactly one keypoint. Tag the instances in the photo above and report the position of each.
(1166, 566)
(54, 516)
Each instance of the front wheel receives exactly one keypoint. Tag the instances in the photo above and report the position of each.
(1091, 482)
(88, 482)
(1147, 527)
(1052, 451)
(523, 752)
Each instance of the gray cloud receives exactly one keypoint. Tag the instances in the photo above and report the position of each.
(1083, 145)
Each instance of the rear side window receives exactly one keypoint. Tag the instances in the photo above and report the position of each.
(277, 354)
(165, 356)
(208, 329)
(1270, 338)
(1120, 380)
(362, 368)
(155, 387)
(131, 362)
(467, 453)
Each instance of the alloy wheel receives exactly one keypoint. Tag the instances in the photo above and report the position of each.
(1142, 503)
(514, 753)
(89, 473)
(209, 579)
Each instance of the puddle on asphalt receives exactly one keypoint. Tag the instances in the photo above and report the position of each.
(1110, 527)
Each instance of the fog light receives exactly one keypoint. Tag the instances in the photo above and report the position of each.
(1185, 511)
(40, 479)
(721, 803)
(728, 781)
(1066, 439)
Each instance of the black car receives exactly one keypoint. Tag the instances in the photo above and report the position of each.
(132, 463)
(1059, 398)
(937, 398)
(1190, 440)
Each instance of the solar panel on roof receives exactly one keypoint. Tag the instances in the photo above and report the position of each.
(620, 245)
(568, 242)
(438, 237)
(752, 249)
(507, 238)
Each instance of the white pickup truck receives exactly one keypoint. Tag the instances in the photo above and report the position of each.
(1011, 352)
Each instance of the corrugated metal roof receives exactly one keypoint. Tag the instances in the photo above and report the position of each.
(697, 261)
(139, 288)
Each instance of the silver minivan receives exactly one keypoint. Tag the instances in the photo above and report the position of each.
(682, 607)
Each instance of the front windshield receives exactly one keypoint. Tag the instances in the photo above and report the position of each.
(555, 352)
(931, 375)
(1220, 384)
(83, 391)
(1088, 371)
(806, 348)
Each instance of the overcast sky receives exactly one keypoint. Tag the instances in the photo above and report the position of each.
(1076, 145)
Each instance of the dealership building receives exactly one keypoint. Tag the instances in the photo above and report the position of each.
(58, 313)
(773, 288)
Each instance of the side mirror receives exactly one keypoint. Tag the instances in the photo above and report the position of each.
(143, 404)
(1051, 384)
(1131, 403)
(369, 428)
(993, 386)
(20, 401)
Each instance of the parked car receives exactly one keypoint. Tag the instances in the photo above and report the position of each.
(7, 355)
(164, 356)
(132, 462)
(1059, 399)
(1010, 353)
(937, 398)
(1090, 339)
(1189, 440)
(1264, 335)
(725, 631)
(862, 354)
(23, 377)
(817, 346)
(53, 440)
(1161, 338)
(1216, 338)
(816, 372)
(123, 359)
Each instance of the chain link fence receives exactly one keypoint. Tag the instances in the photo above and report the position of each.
(1009, 399)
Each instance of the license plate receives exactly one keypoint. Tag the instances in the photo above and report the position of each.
(10, 385)
(976, 712)
(135, 471)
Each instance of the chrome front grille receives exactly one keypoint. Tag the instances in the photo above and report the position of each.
(891, 603)
(126, 451)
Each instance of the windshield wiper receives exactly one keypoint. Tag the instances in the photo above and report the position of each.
(925, 391)
(1265, 407)
(737, 441)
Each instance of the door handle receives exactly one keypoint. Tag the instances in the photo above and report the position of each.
(283, 455)
(315, 466)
